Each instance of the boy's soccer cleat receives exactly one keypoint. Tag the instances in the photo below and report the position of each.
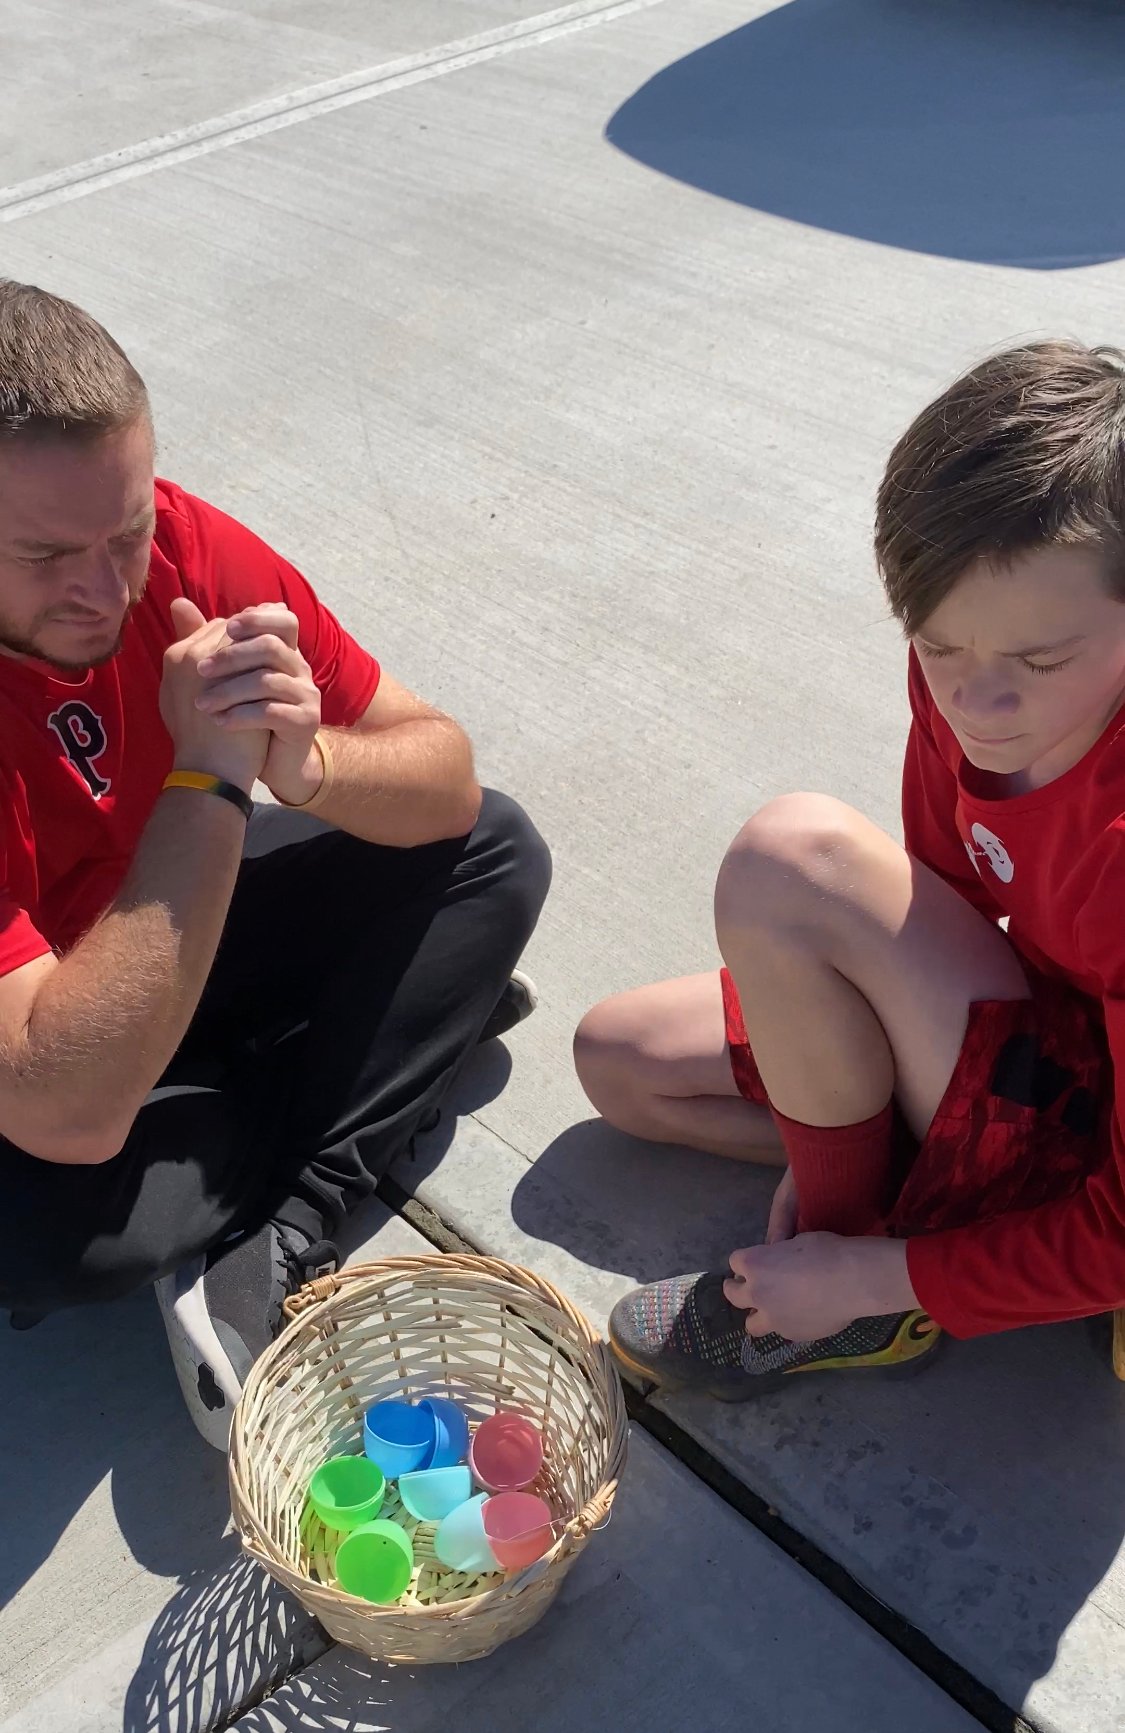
(684, 1333)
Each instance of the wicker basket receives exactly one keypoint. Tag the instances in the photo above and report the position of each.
(484, 1332)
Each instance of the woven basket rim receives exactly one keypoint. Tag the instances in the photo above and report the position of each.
(316, 1301)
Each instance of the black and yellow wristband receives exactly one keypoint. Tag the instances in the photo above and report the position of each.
(204, 784)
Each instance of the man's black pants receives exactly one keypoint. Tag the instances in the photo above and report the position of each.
(392, 959)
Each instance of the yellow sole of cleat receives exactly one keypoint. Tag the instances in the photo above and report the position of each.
(912, 1347)
(916, 1338)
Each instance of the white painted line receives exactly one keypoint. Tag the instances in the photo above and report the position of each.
(294, 106)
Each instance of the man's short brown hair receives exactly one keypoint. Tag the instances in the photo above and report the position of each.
(61, 373)
(1025, 451)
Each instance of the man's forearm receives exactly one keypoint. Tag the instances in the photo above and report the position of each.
(402, 786)
(108, 1019)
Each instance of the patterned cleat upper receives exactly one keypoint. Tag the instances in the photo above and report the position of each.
(684, 1333)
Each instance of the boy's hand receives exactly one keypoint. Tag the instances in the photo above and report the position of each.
(794, 1288)
(260, 678)
(817, 1284)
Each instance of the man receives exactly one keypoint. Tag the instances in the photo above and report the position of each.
(206, 1060)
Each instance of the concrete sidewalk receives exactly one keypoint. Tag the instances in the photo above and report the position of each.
(563, 352)
(133, 1610)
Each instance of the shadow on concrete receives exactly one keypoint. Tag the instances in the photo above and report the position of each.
(98, 1396)
(1018, 1433)
(641, 1209)
(985, 130)
(225, 1638)
(485, 1076)
(110, 1364)
(97, 1401)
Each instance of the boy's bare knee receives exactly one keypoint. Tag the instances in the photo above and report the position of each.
(785, 862)
(601, 1046)
(611, 1063)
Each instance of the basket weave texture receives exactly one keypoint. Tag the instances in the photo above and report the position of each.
(486, 1333)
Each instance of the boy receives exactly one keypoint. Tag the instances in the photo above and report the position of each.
(942, 1093)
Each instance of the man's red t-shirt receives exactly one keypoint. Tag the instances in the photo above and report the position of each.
(1053, 861)
(82, 762)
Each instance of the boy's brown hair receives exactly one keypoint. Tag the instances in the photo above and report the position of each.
(61, 373)
(1025, 451)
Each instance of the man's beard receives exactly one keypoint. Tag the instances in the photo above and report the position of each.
(31, 647)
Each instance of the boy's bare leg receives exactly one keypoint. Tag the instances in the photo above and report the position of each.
(654, 1062)
(856, 966)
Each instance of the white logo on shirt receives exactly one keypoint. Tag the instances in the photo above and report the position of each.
(994, 851)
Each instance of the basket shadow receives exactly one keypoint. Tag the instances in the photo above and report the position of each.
(347, 1693)
(225, 1638)
(977, 129)
(344, 1692)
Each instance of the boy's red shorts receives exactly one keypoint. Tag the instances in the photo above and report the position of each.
(1025, 1117)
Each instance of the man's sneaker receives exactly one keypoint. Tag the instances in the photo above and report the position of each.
(515, 1004)
(224, 1309)
(684, 1333)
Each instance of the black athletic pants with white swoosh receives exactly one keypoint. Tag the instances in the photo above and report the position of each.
(393, 958)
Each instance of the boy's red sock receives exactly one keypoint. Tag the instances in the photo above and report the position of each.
(842, 1172)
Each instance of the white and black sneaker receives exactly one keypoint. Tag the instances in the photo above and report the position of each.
(515, 1005)
(224, 1309)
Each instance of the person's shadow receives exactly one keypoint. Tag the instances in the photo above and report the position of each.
(985, 1493)
(93, 1395)
(483, 1077)
(985, 130)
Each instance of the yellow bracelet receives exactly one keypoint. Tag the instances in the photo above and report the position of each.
(318, 799)
(204, 783)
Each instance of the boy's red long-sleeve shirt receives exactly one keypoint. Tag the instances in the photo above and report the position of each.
(1053, 861)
